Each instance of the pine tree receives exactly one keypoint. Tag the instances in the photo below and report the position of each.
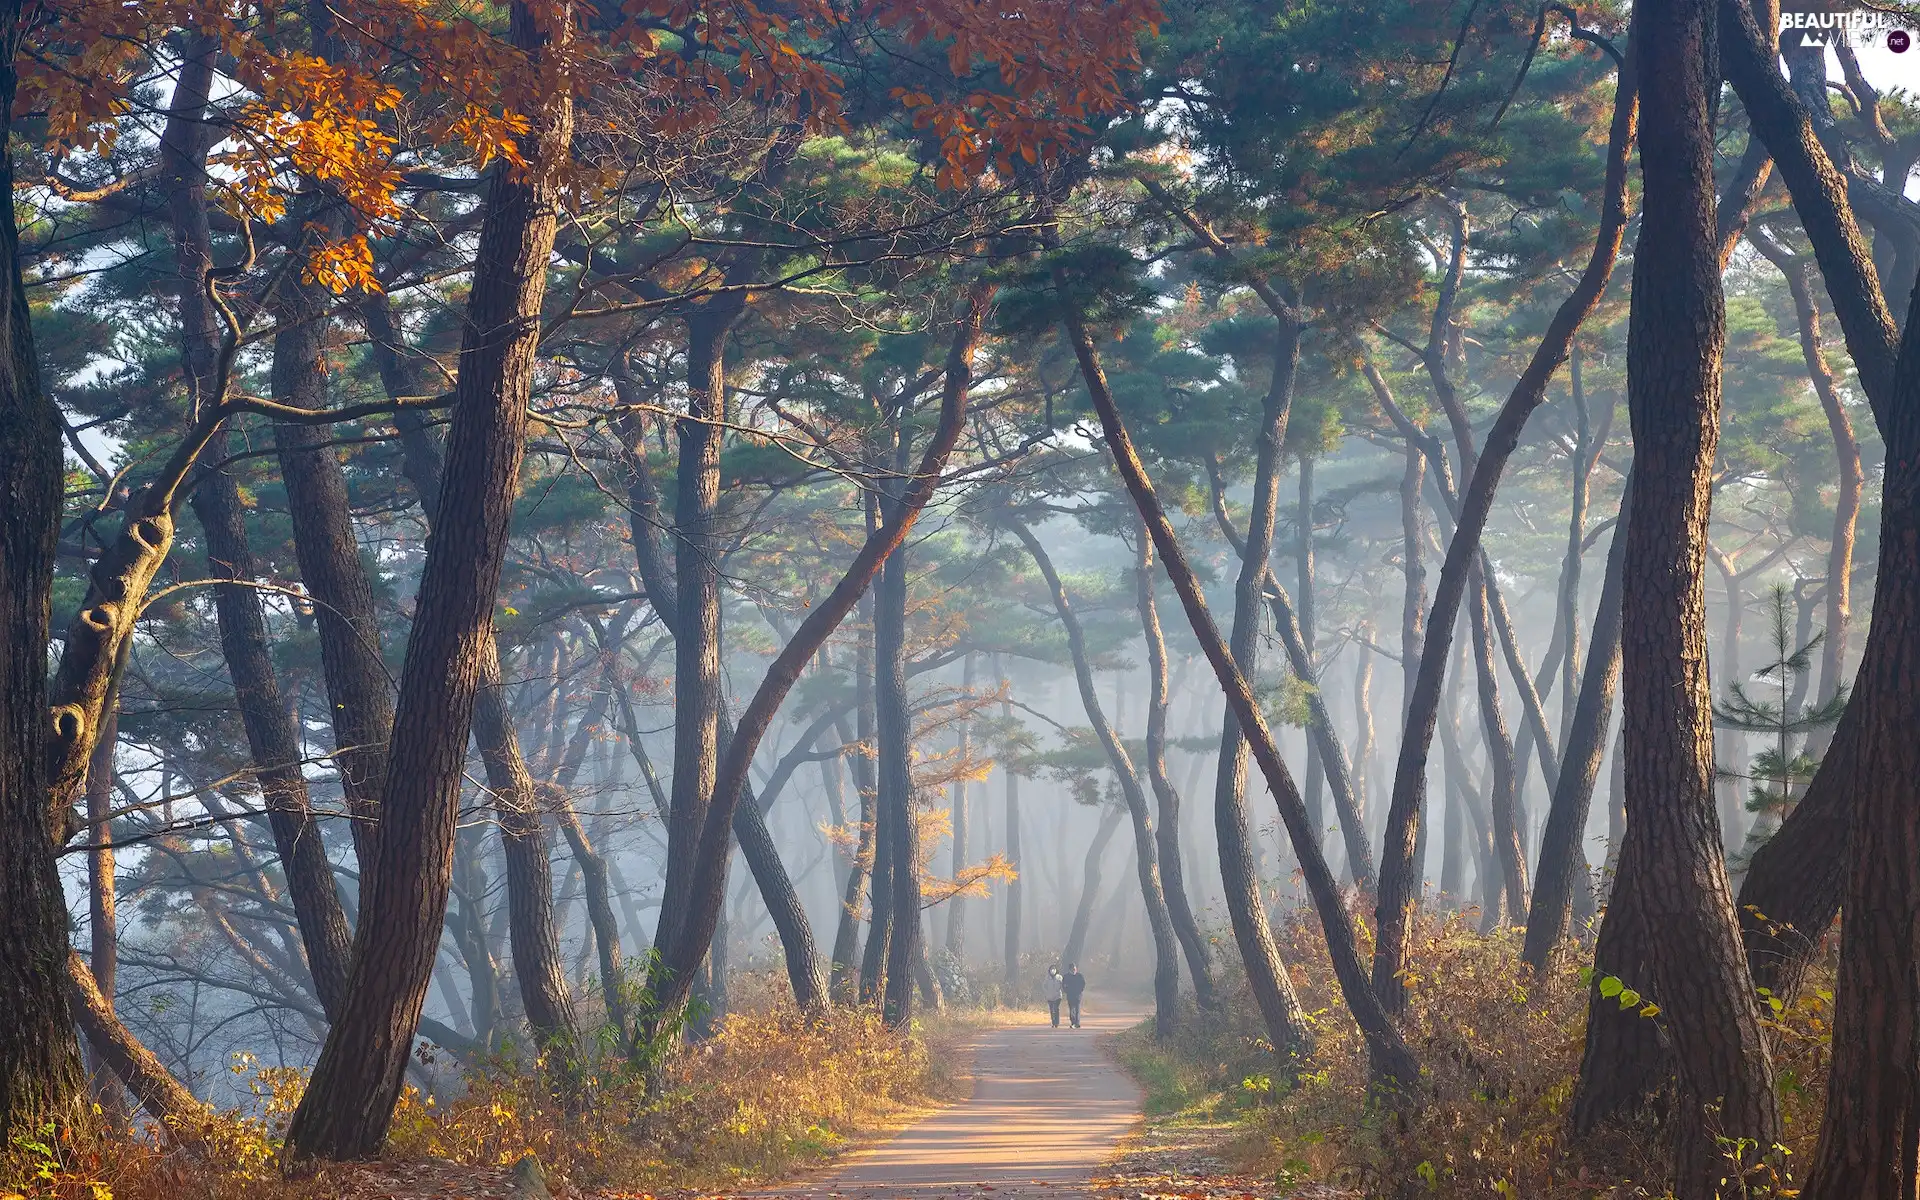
(1777, 772)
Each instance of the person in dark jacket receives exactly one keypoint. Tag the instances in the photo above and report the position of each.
(1075, 986)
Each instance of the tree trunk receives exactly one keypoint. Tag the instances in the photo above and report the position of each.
(1563, 864)
(1172, 869)
(1303, 554)
(1267, 978)
(1016, 888)
(845, 978)
(956, 919)
(1506, 825)
(40, 1075)
(1394, 1067)
(348, 1104)
(1846, 504)
(1671, 866)
(698, 549)
(163, 1097)
(894, 745)
(524, 844)
(1091, 871)
(1399, 874)
(359, 698)
(1166, 949)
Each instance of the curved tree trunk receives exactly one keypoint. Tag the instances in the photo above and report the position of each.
(708, 884)
(1193, 943)
(1090, 873)
(1273, 992)
(1394, 1067)
(1399, 875)
(359, 698)
(1672, 868)
(1562, 862)
(348, 1104)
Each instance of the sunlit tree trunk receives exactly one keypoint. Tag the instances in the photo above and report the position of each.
(1672, 869)
(348, 1105)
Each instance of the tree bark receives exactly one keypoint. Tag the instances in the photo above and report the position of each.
(359, 698)
(163, 1097)
(40, 1074)
(1394, 1067)
(1671, 866)
(894, 747)
(348, 1104)
(528, 852)
(1399, 874)
(1193, 943)
(1166, 949)
(271, 735)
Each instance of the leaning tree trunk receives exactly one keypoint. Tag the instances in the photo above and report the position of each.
(1399, 873)
(1872, 1120)
(1394, 1067)
(358, 698)
(1267, 978)
(1090, 873)
(1501, 767)
(1166, 949)
(272, 737)
(348, 1104)
(1561, 858)
(40, 1075)
(1672, 869)
(1193, 943)
(749, 822)
(528, 852)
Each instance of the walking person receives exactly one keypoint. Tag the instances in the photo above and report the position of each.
(1052, 991)
(1075, 986)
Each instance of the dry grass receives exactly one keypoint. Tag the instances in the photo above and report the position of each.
(771, 1093)
(1500, 1049)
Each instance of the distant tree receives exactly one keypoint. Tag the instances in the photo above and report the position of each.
(1780, 769)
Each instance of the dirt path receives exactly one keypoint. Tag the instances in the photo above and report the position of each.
(1048, 1109)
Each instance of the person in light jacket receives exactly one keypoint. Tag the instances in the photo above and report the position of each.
(1052, 990)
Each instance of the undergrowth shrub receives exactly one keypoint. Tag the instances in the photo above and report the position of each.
(1499, 1048)
(770, 1092)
